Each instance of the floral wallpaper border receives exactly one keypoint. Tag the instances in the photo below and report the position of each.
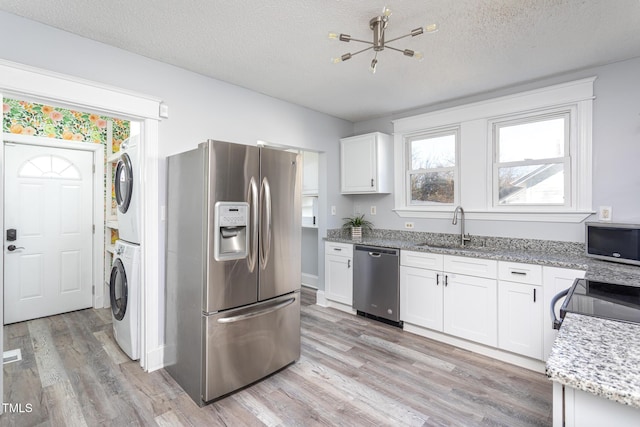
(27, 118)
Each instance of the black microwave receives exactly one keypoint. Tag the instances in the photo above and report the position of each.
(613, 242)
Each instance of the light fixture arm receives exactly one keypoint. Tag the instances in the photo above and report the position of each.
(378, 25)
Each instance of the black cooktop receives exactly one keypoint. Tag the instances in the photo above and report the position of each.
(605, 300)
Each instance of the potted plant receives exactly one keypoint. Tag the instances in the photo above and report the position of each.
(357, 224)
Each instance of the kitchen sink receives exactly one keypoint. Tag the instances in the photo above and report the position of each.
(441, 246)
(451, 246)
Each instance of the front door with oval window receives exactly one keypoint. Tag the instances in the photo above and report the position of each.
(48, 201)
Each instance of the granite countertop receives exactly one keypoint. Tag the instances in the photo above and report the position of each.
(598, 356)
(549, 253)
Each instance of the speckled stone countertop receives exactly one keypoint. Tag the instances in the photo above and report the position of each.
(529, 251)
(598, 356)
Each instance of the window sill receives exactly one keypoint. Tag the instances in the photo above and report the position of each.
(566, 216)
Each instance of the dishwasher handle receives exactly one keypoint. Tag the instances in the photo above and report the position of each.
(376, 251)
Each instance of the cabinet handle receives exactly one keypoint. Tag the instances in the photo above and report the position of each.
(534, 294)
(337, 249)
(437, 279)
(519, 273)
(372, 182)
(348, 263)
(446, 280)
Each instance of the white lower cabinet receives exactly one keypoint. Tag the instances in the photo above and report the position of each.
(338, 273)
(578, 408)
(470, 308)
(555, 280)
(446, 301)
(421, 294)
(502, 304)
(520, 312)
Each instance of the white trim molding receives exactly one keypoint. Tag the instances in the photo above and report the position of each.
(476, 153)
(22, 81)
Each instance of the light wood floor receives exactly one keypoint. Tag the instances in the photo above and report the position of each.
(352, 372)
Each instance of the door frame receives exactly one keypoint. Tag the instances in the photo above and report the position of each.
(98, 187)
(26, 82)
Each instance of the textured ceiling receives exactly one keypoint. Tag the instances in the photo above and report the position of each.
(280, 48)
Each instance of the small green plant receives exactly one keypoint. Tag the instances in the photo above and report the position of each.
(357, 221)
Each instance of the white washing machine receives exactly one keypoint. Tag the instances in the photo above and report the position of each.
(127, 187)
(124, 291)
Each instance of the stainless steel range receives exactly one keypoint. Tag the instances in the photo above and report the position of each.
(599, 299)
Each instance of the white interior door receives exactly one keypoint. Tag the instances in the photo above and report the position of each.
(48, 202)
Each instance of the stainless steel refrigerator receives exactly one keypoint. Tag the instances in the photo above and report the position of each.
(233, 269)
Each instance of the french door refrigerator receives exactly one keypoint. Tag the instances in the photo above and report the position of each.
(233, 269)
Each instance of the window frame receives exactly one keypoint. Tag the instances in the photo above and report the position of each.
(569, 147)
(475, 157)
(433, 133)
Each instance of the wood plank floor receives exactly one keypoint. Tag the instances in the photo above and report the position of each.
(353, 372)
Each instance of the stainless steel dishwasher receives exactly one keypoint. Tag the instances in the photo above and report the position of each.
(376, 290)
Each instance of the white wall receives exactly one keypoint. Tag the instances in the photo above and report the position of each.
(199, 108)
(616, 157)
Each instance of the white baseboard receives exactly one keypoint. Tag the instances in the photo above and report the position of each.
(310, 280)
(321, 300)
(155, 359)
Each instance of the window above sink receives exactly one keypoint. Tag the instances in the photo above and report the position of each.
(522, 157)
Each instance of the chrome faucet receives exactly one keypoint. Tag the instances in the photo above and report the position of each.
(463, 237)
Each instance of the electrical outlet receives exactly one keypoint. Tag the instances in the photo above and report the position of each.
(604, 213)
(333, 210)
(408, 225)
(373, 210)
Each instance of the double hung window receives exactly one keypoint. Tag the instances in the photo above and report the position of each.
(532, 161)
(432, 168)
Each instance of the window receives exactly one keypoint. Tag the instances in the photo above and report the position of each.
(48, 167)
(521, 157)
(432, 168)
(532, 161)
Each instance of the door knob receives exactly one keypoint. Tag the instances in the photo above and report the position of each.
(14, 247)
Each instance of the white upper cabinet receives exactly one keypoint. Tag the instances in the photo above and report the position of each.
(366, 164)
(309, 173)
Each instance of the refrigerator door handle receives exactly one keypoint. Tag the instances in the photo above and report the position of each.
(252, 199)
(256, 313)
(265, 229)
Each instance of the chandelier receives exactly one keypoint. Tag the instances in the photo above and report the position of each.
(378, 25)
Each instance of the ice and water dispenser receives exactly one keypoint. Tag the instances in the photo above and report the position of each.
(231, 221)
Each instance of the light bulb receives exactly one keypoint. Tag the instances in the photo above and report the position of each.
(386, 11)
(419, 56)
(374, 64)
(341, 58)
(334, 36)
(431, 28)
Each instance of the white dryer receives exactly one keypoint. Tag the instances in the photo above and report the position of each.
(124, 291)
(127, 188)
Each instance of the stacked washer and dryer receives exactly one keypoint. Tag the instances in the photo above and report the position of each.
(124, 283)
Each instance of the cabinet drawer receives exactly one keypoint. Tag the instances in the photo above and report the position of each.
(335, 248)
(471, 266)
(421, 260)
(520, 273)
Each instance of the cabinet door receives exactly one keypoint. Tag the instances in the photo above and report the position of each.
(339, 279)
(520, 311)
(470, 308)
(358, 164)
(554, 281)
(421, 297)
